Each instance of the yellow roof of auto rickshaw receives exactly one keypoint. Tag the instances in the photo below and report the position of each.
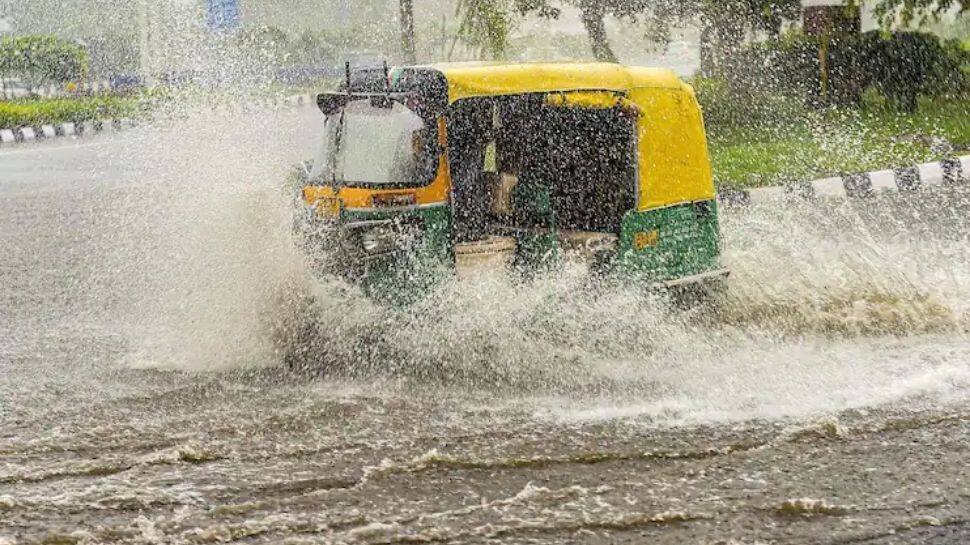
(478, 79)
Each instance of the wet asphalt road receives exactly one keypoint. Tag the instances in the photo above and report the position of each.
(141, 401)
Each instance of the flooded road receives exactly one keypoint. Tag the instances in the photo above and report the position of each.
(144, 279)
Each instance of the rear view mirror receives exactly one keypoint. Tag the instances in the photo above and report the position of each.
(331, 103)
(380, 101)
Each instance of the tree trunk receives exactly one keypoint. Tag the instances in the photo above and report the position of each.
(407, 32)
(593, 20)
(708, 52)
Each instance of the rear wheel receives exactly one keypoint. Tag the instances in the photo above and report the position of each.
(706, 295)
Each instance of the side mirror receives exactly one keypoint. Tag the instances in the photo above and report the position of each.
(331, 103)
(298, 179)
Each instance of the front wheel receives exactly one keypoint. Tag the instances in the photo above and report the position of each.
(297, 332)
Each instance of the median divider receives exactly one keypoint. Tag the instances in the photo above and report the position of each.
(20, 135)
(26, 135)
(951, 171)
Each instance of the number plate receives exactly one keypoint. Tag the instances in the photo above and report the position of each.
(644, 240)
(328, 208)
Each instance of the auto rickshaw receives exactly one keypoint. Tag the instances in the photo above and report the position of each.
(446, 169)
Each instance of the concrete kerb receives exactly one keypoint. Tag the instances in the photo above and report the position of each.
(87, 128)
(951, 172)
(48, 132)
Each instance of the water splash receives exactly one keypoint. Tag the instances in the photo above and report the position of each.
(191, 260)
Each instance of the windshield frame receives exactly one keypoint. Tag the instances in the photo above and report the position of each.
(427, 163)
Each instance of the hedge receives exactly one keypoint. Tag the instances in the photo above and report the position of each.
(32, 113)
(902, 66)
(43, 59)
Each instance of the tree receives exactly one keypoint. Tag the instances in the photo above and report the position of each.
(909, 11)
(260, 51)
(312, 48)
(593, 15)
(725, 22)
(486, 25)
(407, 32)
(43, 59)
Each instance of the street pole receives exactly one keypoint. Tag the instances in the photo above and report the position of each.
(146, 60)
(407, 32)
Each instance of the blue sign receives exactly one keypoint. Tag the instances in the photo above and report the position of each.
(223, 14)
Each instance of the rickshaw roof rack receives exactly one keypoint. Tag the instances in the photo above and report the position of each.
(330, 103)
(367, 78)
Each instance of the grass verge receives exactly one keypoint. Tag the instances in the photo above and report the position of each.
(812, 144)
(35, 112)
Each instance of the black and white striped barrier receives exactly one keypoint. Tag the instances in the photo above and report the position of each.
(952, 171)
(29, 134)
(20, 135)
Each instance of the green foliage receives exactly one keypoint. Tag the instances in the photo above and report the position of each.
(817, 144)
(271, 46)
(486, 25)
(264, 43)
(725, 21)
(911, 64)
(312, 48)
(915, 11)
(43, 59)
(726, 108)
(901, 65)
(31, 113)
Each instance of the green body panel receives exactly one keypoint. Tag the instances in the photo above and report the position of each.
(406, 275)
(533, 206)
(674, 243)
(684, 241)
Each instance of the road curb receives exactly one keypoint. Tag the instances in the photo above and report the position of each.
(948, 172)
(26, 135)
(21, 135)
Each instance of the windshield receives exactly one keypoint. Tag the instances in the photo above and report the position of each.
(366, 144)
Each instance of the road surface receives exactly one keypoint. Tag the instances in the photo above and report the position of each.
(145, 279)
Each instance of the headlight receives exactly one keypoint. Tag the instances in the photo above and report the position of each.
(375, 238)
(378, 240)
(372, 241)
